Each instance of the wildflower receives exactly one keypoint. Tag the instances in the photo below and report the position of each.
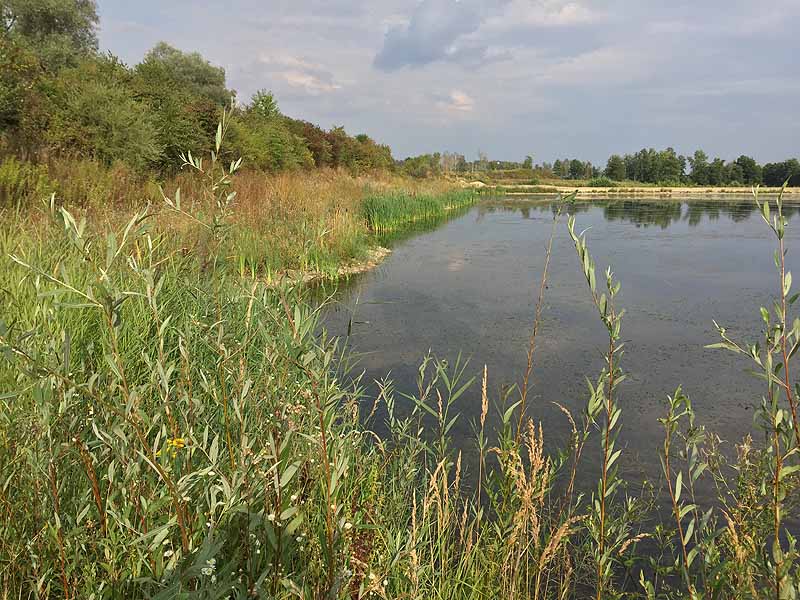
(348, 526)
(294, 497)
(211, 566)
(168, 553)
(271, 517)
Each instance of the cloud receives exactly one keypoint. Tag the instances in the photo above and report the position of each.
(433, 33)
(296, 72)
(611, 64)
(457, 103)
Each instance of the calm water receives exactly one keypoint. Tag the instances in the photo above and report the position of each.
(470, 286)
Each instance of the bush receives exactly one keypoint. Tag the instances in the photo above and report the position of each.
(95, 117)
(601, 182)
(268, 144)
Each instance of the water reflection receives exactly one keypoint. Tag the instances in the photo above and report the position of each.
(643, 212)
(469, 285)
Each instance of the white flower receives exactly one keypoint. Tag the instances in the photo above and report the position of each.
(294, 497)
(348, 526)
(385, 582)
(168, 553)
(271, 517)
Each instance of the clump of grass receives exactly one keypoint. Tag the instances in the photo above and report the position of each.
(391, 211)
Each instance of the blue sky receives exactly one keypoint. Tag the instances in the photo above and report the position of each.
(551, 78)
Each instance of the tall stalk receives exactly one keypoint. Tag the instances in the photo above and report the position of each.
(538, 317)
(603, 400)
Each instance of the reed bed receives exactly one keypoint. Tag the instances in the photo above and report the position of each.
(389, 212)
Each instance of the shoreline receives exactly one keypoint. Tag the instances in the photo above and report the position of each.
(529, 190)
(375, 256)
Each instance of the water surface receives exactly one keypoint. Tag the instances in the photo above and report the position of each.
(470, 286)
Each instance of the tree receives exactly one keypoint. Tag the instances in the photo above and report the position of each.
(264, 104)
(775, 174)
(316, 141)
(95, 115)
(717, 172)
(528, 162)
(192, 71)
(699, 164)
(750, 170)
(57, 31)
(577, 169)
(615, 168)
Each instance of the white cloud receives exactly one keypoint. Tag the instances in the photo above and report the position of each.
(311, 84)
(298, 72)
(457, 102)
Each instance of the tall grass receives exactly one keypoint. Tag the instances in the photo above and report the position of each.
(174, 428)
(389, 212)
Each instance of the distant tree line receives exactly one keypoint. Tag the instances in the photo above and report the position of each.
(664, 167)
(60, 96)
(667, 167)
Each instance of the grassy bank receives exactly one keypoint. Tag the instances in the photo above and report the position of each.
(175, 427)
(294, 222)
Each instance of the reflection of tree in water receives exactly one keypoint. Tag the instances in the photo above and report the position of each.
(663, 214)
(642, 213)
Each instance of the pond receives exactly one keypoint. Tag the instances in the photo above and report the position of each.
(469, 286)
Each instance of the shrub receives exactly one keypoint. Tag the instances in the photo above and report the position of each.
(601, 182)
(95, 117)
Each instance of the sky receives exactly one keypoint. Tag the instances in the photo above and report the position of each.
(510, 78)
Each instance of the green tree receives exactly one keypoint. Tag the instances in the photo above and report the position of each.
(528, 162)
(59, 32)
(750, 169)
(775, 174)
(264, 104)
(699, 162)
(191, 70)
(717, 172)
(19, 72)
(184, 121)
(95, 115)
(615, 168)
(316, 140)
(577, 169)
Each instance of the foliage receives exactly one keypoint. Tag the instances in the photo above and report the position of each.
(601, 182)
(60, 32)
(616, 168)
(264, 104)
(93, 115)
(190, 71)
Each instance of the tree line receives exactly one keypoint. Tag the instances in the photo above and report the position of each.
(59, 95)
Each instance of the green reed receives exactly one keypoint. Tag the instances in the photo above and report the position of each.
(391, 211)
